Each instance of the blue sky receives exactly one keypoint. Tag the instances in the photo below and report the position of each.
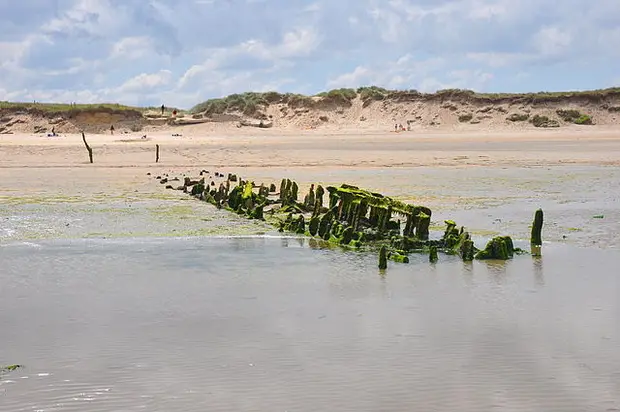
(149, 52)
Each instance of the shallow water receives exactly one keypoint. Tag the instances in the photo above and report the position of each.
(256, 324)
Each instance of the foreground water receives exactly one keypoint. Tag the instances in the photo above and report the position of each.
(278, 324)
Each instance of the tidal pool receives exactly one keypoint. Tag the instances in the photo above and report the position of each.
(265, 323)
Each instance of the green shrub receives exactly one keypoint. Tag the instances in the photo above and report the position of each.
(584, 119)
(464, 118)
(568, 115)
(272, 97)
(543, 121)
(248, 103)
(371, 93)
(518, 117)
(297, 100)
(344, 95)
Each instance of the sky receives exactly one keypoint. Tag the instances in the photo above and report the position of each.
(179, 53)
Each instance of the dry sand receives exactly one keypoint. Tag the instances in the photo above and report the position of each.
(268, 148)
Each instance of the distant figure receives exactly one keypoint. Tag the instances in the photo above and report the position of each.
(112, 129)
(163, 109)
(395, 127)
(174, 112)
(53, 131)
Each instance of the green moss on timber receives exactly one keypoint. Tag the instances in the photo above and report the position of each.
(309, 199)
(371, 199)
(383, 258)
(500, 248)
(424, 222)
(399, 258)
(324, 224)
(432, 254)
(247, 190)
(198, 189)
(356, 244)
(468, 250)
(536, 236)
(294, 191)
(510, 248)
(257, 213)
(347, 236)
(313, 227)
(291, 208)
(327, 234)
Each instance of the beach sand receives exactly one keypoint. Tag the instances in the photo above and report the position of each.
(482, 177)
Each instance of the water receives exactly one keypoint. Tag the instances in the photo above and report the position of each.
(270, 324)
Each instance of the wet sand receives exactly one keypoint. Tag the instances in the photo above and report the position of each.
(489, 182)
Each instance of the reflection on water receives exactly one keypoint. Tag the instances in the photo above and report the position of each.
(537, 263)
(255, 324)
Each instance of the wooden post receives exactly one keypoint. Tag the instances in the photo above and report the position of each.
(156, 153)
(90, 151)
(432, 254)
(536, 238)
(383, 258)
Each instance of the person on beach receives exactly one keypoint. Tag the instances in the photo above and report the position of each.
(163, 109)
(112, 129)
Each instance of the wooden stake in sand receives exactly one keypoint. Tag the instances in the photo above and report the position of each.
(90, 151)
(536, 238)
(157, 153)
(383, 258)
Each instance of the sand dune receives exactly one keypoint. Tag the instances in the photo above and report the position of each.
(339, 111)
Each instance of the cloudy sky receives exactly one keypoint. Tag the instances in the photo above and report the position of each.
(181, 52)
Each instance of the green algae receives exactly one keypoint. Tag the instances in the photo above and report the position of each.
(498, 248)
(40, 200)
(399, 257)
(10, 368)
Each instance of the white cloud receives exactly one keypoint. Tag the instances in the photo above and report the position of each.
(132, 47)
(406, 72)
(146, 81)
(495, 60)
(550, 41)
(94, 17)
(299, 42)
(361, 75)
(141, 52)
